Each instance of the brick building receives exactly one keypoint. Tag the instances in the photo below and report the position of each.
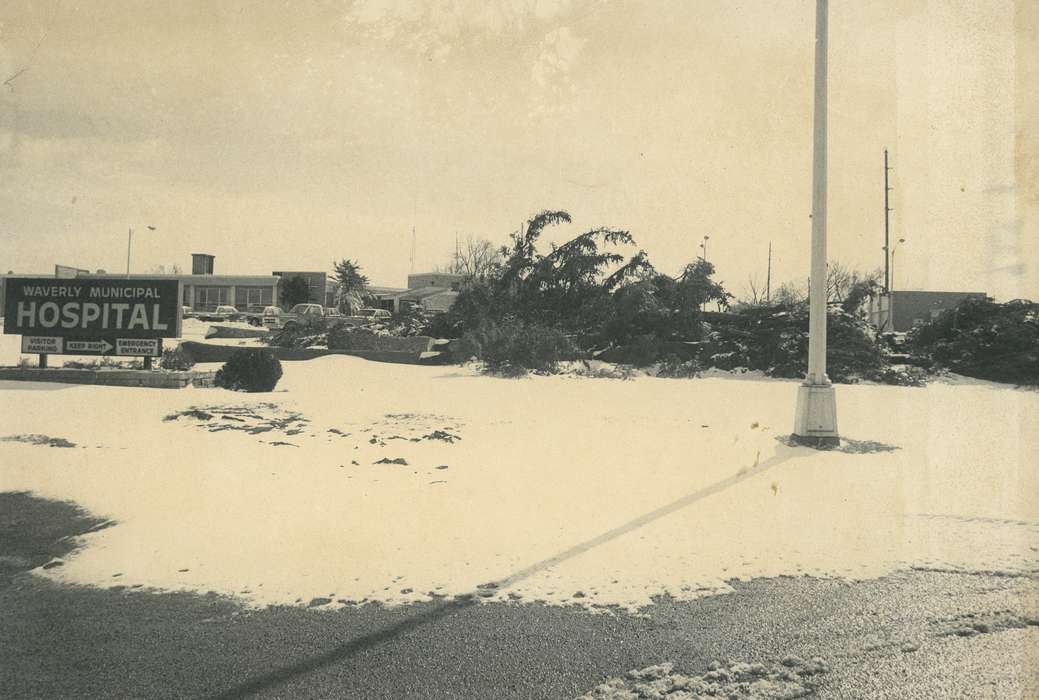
(900, 311)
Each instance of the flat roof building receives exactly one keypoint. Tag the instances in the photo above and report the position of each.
(445, 280)
(900, 311)
(317, 283)
(206, 292)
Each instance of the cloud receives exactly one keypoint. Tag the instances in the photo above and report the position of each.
(438, 29)
(557, 53)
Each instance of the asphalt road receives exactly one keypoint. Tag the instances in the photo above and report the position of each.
(915, 634)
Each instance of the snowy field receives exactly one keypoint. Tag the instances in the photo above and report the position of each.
(395, 483)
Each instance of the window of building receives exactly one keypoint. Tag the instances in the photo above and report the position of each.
(211, 297)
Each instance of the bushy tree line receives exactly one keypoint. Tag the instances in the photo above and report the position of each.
(598, 292)
(984, 339)
(595, 290)
(568, 287)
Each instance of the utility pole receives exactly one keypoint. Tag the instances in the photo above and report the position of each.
(815, 419)
(768, 276)
(412, 249)
(887, 229)
(129, 242)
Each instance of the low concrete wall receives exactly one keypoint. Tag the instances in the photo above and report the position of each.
(232, 332)
(204, 352)
(108, 377)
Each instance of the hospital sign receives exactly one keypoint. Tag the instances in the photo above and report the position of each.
(89, 314)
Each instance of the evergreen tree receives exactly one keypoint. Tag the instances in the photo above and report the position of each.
(294, 290)
(352, 286)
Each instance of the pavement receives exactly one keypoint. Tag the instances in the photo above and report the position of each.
(912, 634)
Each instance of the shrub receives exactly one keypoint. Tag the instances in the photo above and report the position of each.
(642, 351)
(445, 325)
(407, 323)
(177, 359)
(104, 362)
(249, 370)
(623, 372)
(775, 340)
(513, 348)
(675, 367)
(300, 334)
(901, 376)
(983, 339)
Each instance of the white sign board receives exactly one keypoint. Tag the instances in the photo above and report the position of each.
(41, 344)
(99, 347)
(137, 346)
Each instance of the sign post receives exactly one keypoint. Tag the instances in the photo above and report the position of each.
(93, 316)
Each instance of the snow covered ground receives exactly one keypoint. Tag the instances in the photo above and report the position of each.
(562, 489)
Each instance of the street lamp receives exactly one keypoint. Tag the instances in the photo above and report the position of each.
(815, 419)
(890, 326)
(893, 249)
(703, 245)
(129, 242)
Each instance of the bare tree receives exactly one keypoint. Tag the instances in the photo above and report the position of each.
(474, 259)
(755, 295)
(839, 278)
(790, 294)
(173, 269)
(849, 287)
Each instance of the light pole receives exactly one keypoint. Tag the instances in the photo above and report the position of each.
(893, 249)
(129, 242)
(703, 256)
(891, 289)
(815, 419)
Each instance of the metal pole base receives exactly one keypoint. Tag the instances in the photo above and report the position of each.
(815, 422)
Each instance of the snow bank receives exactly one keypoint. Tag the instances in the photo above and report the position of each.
(793, 678)
(593, 492)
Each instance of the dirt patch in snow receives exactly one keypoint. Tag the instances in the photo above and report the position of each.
(793, 678)
(42, 440)
(411, 427)
(972, 624)
(253, 419)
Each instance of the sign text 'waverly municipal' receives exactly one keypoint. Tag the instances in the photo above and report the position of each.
(92, 308)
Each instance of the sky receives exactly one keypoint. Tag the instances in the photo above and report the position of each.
(286, 135)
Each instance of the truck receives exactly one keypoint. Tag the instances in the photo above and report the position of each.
(298, 315)
(310, 314)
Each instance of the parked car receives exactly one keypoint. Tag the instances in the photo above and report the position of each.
(269, 317)
(364, 316)
(253, 314)
(187, 312)
(374, 314)
(298, 315)
(220, 313)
